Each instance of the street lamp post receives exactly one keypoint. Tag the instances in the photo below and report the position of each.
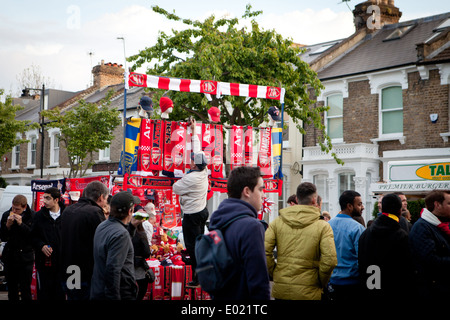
(42, 104)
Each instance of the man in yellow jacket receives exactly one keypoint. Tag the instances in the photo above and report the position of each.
(306, 253)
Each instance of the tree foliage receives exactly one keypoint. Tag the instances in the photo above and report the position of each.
(218, 49)
(85, 129)
(9, 126)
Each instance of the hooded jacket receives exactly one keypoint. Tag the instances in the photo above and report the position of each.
(385, 245)
(306, 253)
(244, 239)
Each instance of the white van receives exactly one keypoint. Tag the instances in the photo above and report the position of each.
(10, 192)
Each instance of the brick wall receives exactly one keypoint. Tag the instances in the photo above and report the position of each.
(422, 98)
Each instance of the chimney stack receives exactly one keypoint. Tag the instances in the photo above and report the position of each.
(374, 14)
(107, 74)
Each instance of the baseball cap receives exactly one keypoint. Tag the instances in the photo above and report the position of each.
(165, 103)
(124, 200)
(146, 103)
(199, 159)
(274, 113)
(214, 112)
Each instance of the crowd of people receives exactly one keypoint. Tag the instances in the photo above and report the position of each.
(307, 255)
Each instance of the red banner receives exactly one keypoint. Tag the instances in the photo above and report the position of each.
(270, 185)
(237, 146)
(78, 184)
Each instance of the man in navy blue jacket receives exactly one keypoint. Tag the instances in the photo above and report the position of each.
(244, 237)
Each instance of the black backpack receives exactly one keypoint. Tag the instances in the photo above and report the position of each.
(214, 262)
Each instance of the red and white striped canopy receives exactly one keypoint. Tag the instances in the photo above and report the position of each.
(205, 86)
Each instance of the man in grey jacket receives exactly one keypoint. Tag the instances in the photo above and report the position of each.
(113, 277)
(192, 190)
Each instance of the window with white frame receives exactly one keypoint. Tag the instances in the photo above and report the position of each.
(391, 111)
(346, 181)
(15, 163)
(54, 134)
(105, 154)
(32, 137)
(32, 158)
(334, 117)
(321, 182)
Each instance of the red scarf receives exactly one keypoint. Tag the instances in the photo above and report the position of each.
(444, 227)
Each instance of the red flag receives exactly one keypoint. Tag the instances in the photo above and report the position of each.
(265, 154)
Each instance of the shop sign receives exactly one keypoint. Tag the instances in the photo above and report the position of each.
(435, 171)
(419, 170)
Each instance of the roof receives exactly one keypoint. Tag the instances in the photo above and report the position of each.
(377, 52)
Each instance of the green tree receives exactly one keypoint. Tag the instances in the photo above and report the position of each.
(85, 129)
(9, 126)
(220, 50)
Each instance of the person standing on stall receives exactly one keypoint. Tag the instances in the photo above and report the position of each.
(46, 235)
(18, 255)
(193, 189)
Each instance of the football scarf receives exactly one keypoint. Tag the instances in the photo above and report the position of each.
(206, 142)
(248, 147)
(277, 141)
(237, 146)
(179, 148)
(264, 155)
(177, 285)
(169, 127)
(151, 146)
(144, 155)
(156, 150)
(128, 161)
(217, 153)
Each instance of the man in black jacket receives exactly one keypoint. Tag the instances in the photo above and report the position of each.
(46, 233)
(18, 255)
(78, 227)
(429, 239)
(384, 257)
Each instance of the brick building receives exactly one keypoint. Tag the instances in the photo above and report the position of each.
(387, 87)
(25, 163)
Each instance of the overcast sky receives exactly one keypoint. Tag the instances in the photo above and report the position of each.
(57, 36)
